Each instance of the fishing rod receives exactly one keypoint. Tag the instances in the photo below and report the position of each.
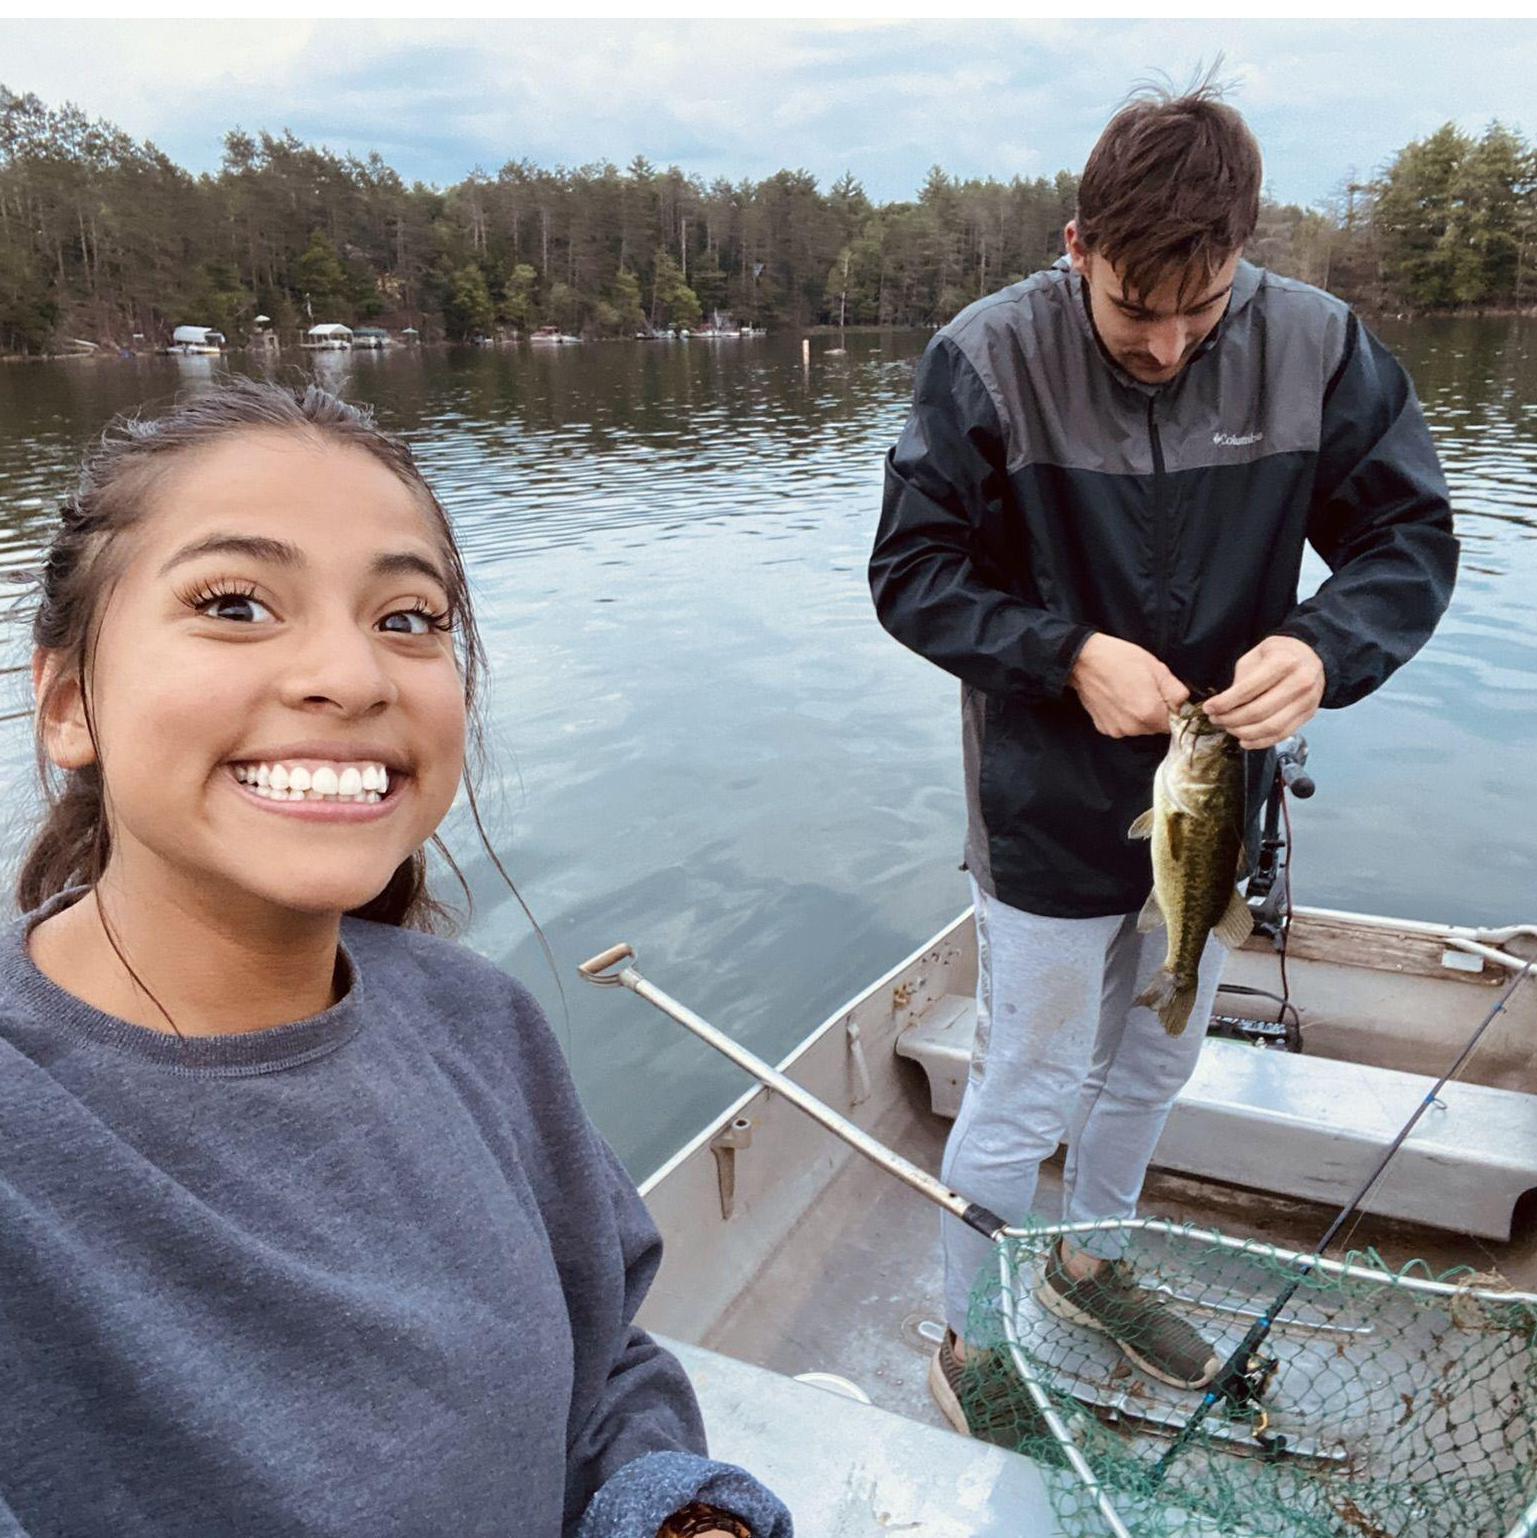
(1238, 1380)
(1243, 1375)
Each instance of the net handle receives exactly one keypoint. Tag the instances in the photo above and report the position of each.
(1345, 1270)
(1526, 1523)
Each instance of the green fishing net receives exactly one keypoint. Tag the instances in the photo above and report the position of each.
(1383, 1404)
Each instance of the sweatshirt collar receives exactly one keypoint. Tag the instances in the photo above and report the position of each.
(234, 1054)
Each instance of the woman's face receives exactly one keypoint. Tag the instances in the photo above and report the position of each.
(278, 710)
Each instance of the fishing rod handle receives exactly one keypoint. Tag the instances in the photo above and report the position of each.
(1291, 757)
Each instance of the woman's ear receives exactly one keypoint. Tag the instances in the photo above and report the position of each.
(61, 718)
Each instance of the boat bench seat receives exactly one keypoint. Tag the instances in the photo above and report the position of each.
(1309, 1127)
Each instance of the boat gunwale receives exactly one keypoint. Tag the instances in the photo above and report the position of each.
(799, 1050)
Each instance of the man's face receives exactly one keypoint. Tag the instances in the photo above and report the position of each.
(1152, 336)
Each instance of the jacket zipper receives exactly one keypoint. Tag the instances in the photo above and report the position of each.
(1160, 534)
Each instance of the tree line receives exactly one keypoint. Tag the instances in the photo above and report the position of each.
(105, 239)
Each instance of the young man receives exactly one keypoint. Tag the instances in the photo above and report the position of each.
(1098, 506)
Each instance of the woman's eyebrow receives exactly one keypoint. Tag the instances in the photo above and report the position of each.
(405, 562)
(255, 547)
(276, 552)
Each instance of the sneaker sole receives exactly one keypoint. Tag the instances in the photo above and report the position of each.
(945, 1398)
(1053, 1302)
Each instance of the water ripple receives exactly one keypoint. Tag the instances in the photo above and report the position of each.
(704, 743)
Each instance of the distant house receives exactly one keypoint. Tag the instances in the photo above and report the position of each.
(196, 339)
(329, 335)
(370, 336)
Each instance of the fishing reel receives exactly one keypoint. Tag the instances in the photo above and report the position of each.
(1245, 1390)
(1266, 893)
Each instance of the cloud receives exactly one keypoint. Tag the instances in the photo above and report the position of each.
(885, 99)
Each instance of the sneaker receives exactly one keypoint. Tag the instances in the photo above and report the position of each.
(984, 1398)
(1148, 1332)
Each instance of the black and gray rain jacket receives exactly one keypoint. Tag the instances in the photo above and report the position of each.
(1039, 494)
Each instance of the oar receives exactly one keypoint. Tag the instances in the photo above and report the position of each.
(600, 970)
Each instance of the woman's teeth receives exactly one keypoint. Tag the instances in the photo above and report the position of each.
(364, 784)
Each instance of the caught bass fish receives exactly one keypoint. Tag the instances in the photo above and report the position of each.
(1196, 823)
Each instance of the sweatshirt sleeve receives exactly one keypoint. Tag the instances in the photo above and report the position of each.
(635, 1442)
(1381, 518)
(632, 1397)
(946, 471)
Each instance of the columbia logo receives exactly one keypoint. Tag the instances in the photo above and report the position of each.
(1235, 440)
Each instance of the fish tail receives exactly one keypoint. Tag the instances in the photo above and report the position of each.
(1169, 999)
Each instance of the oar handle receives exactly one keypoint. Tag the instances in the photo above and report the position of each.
(595, 968)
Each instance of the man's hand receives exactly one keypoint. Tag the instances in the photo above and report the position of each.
(1276, 690)
(1127, 691)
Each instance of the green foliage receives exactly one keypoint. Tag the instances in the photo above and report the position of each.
(220, 301)
(629, 310)
(102, 236)
(27, 313)
(1493, 194)
(1454, 216)
(518, 307)
(673, 302)
(563, 306)
(467, 306)
(320, 279)
(1414, 214)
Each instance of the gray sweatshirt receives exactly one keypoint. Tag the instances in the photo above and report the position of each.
(370, 1275)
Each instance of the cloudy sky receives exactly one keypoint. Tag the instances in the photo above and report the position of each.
(885, 100)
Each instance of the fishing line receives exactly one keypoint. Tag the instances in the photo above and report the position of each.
(1236, 1381)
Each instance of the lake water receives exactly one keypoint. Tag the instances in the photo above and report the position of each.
(703, 743)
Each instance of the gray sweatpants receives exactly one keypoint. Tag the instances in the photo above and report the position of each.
(1061, 1049)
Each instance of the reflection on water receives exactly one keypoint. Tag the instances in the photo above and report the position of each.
(704, 744)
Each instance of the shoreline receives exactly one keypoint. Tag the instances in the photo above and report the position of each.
(108, 353)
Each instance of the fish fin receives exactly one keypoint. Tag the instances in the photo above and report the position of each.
(1170, 1001)
(1143, 826)
(1151, 915)
(1236, 924)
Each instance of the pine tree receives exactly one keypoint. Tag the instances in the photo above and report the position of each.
(321, 279)
(1417, 220)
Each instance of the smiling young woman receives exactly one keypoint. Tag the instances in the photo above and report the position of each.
(303, 1228)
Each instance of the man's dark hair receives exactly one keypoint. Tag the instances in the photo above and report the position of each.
(1172, 187)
